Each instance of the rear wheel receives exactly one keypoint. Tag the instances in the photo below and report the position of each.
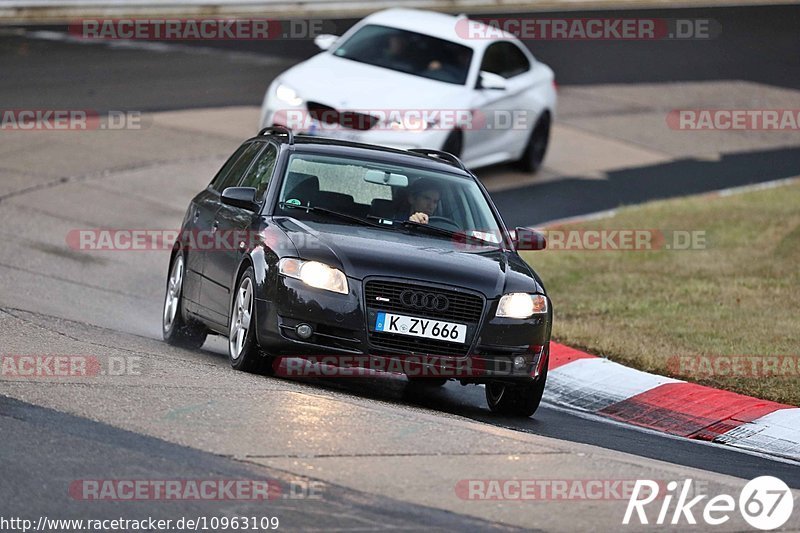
(516, 399)
(243, 350)
(533, 156)
(454, 143)
(176, 329)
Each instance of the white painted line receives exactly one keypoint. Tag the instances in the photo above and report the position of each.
(776, 433)
(593, 384)
(597, 418)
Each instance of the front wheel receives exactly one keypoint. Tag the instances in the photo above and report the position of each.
(243, 350)
(175, 329)
(516, 399)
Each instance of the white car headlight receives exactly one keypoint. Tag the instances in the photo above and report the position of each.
(521, 305)
(314, 274)
(287, 95)
(412, 124)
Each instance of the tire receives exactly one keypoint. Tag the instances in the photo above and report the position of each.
(427, 382)
(454, 143)
(518, 400)
(533, 155)
(175, 328)
(243, 351)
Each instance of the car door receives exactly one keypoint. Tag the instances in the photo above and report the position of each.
(234, 228)
(505, 109)
(205, 238)
(199, 220)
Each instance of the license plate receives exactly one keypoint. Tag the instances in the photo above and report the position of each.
(421, 327)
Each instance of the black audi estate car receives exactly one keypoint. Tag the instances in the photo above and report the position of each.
(303, 247)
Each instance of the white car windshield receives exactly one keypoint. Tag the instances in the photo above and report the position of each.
(337, 189)
(409, 52)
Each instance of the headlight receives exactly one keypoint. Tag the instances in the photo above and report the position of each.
(314, 274)
(412, 124)
(288, 95)
(521, 305)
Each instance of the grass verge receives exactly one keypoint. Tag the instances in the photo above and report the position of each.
(726, 315)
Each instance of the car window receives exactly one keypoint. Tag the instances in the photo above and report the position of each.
(343, 179)
(388, 192)
(227, 167)
(235, 171)
(505, 59)
(409, 52)
(260, 173)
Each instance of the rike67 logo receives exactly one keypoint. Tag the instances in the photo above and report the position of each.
(765, 503)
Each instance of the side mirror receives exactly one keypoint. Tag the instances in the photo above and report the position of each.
(325, 40)
(492, 81)
(528, 239)
(244, 197)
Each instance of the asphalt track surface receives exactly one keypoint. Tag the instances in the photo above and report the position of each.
(757, 43)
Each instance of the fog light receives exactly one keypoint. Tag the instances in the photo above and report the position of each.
(519, 362)
(304, 331)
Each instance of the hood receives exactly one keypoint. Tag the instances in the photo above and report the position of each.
(349, 85)
(362, 251)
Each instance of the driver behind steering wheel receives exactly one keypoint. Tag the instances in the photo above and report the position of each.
(423, 198)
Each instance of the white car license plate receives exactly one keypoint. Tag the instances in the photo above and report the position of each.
(421, 327)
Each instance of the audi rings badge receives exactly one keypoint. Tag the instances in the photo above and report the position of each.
(424, 300)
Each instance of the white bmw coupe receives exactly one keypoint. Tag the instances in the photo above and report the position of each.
(416, 79)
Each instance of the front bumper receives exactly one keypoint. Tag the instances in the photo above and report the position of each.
(341, 328)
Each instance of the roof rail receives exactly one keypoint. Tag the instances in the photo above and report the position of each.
(278, 130)
(439, 154)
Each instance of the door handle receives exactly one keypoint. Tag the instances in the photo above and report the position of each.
(215, 226)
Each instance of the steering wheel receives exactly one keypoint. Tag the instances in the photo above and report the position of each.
(443, 223)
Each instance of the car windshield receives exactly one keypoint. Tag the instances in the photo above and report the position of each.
(339, 190)
(409, 52)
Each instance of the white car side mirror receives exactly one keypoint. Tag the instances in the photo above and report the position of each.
(490, 80)
(325, 40)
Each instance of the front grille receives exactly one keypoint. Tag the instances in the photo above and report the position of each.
(347, 119)
(462, 307)
(465, 308)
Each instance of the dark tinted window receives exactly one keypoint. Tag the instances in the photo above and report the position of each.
(505, 59)
(227, 167)
(261, 172)
(237, 169)
(409, 52)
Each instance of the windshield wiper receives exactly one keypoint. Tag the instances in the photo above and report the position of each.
(331, 213)
(456, 236)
